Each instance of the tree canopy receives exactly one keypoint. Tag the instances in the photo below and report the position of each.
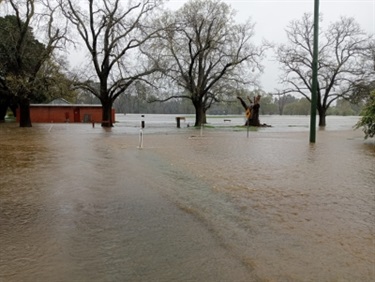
(113, 33)
(205, 54)
(198, 53)
(23, 56)
(342, 61)
(367, 121)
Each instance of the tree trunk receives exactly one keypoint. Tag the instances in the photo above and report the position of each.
(3, 110)
(4, 104)
(25, 120)
(252, 113)
(204, 118)
(322, 117)
(254, 119)
(107, 113)
(200, 114)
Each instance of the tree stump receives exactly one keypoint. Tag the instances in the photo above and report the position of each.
(252, 112)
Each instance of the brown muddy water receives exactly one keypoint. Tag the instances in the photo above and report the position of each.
(85, 204)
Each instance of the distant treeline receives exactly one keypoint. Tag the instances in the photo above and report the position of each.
(270, 105)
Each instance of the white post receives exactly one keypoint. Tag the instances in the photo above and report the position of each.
(140, 145)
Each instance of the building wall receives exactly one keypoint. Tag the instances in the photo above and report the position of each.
(66, 113)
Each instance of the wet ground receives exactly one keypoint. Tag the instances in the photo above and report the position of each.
(85, 204)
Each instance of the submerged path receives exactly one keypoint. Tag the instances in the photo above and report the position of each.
(84, 204)
(76, 207)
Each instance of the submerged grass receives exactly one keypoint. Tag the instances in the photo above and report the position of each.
(233, 127)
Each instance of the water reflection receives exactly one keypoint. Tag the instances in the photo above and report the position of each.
(296, 211)
(83, 204)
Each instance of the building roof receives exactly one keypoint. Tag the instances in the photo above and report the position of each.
(67, 105)
(59, 101)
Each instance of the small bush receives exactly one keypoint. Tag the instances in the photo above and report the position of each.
(367, 120)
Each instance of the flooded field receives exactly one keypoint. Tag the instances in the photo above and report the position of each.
(85, 204)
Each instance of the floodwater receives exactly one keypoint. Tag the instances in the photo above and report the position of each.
(215, 204)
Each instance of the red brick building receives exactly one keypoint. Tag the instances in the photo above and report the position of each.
(66, 113)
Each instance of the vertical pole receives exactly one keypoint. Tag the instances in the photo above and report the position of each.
(140, 146)
(314, 74)
(142, 121)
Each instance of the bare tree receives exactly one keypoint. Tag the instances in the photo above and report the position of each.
(341, 61)
(26, 55)
(363, 88)
(113, 36)
(205, 53)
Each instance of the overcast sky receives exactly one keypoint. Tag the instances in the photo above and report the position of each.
(273, 16)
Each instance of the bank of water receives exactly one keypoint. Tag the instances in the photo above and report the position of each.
(293, 211)
(85, 204)
(167, 123)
